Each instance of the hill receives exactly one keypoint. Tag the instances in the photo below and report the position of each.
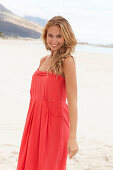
(37, 20)
(13, 25)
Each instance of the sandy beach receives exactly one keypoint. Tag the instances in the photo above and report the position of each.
(18, 61)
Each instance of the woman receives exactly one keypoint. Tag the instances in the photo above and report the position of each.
(51, 125)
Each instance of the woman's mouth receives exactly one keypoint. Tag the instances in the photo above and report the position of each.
(54, 45)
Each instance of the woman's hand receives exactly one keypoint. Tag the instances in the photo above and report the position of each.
(72, 147)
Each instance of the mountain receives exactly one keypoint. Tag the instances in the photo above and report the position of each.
(13, 25)
(37, 20)
(3, 9)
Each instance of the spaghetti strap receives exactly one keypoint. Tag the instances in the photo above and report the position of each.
(42, 61)
(44, 58)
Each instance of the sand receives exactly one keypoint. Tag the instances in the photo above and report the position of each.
(18, 60)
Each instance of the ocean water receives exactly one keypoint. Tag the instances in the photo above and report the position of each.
(88, 48)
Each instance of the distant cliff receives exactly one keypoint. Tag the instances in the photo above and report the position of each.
(37, 20)
(13, 25)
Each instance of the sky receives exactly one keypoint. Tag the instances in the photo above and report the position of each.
(91, 20)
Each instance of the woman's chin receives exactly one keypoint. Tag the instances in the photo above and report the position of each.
(53, 50)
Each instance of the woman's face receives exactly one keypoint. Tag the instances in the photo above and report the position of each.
(54, 38)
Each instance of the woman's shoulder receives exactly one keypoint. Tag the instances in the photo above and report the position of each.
(68, 59)
(42, 60)
(68, 63)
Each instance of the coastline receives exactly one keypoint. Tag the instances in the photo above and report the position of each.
(105, 45)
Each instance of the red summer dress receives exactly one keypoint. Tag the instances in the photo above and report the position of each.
(46, 130)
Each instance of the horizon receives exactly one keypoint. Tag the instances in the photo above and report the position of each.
(90, 20)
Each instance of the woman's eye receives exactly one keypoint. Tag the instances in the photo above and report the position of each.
(59, 36)
(50, 35)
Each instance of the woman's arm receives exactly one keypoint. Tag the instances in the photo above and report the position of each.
(69, 69)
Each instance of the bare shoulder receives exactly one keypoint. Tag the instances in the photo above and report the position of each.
(69, 65)
(41, 60)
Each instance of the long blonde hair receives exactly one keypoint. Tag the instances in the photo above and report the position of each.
(69, 41)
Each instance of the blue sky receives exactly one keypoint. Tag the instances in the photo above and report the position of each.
(91, 20)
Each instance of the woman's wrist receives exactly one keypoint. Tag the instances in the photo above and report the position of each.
(73, 137)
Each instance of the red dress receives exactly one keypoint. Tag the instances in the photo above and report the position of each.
(46, 130)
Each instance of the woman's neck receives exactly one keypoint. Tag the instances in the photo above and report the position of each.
(53, 54)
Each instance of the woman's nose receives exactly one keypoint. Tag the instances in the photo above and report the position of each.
(54, 40)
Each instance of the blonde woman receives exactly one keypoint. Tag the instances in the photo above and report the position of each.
(50, 131)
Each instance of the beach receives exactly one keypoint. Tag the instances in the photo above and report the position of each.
(19, 60)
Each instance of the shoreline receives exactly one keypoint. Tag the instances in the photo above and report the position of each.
(109, 45)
